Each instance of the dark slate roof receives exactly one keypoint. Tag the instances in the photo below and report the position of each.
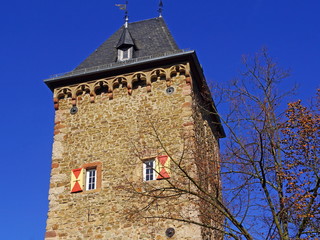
(150, 37)
(125, 39)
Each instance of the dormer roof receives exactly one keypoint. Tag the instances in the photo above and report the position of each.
(125, 39)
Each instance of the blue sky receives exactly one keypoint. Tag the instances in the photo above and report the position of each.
(40, 38)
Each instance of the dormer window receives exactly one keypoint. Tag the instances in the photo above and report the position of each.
(125, 53)
(125, 46)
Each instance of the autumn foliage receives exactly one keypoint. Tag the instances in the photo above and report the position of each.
(301, 147)
(270, 159)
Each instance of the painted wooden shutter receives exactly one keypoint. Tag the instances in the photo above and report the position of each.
(77, 180)
(163, 167)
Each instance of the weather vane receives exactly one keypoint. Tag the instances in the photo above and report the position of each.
(160, 8)
(125, 8)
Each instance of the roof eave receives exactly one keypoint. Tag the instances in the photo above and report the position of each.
(58, 81)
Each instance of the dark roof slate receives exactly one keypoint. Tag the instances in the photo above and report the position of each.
(150, 37)
(125, 39)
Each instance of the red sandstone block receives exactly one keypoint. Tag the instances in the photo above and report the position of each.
(188, 124)
(186, 104)
(55, 165)
(51, 234)
(59, 126)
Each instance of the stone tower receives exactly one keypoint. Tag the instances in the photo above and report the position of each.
(133, 118)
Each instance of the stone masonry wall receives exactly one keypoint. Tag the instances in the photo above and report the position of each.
(207, 160)
(109, 128)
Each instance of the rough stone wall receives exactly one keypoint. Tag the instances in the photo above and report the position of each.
(207, 160)
(116, 128)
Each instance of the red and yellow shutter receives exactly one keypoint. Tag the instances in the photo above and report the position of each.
(77, 180)
(163, 167)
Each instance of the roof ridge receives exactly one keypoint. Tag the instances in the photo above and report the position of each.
(145, 20)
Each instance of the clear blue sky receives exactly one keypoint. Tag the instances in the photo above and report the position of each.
(40, 38)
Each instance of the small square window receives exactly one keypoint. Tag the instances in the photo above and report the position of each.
(149, 172)
(125, 54)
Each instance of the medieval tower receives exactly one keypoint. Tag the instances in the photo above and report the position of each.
(135, 124)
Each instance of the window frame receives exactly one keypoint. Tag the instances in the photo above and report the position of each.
(91, 185)
(145, 174)
(123, 51)
(89, 167)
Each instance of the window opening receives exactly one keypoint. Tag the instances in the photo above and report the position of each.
(149, 170)
(91, 179)
(125, 53)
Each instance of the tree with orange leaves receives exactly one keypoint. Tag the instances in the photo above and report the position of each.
(301, 146)
(270, 160)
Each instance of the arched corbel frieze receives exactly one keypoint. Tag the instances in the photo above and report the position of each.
(139, 77)
(173, 71)
(158, 74)
(101, 86)
(129, 81)
(112, 83)
(61, 94)
(187, 74)
(124, 81)
(120, 81)
(65, 92)
(177, 70)
(80, 90)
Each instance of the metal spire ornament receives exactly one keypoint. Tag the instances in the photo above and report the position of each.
(160, 8)
(125, 8)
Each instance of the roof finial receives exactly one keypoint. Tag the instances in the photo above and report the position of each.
(160, 8)
(125, 8)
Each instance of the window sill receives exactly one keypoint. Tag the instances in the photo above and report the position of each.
(92, 191)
